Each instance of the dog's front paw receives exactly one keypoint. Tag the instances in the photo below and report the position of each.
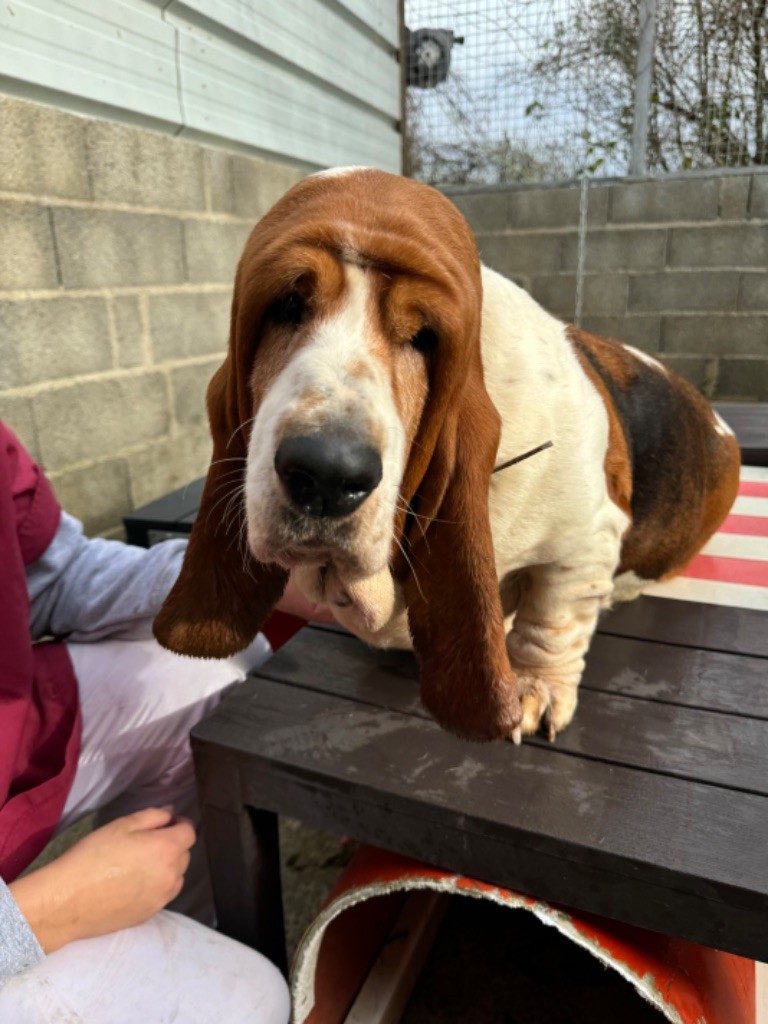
(480, 713)
(547, 704)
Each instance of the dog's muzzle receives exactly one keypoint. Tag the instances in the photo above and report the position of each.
(329, 474)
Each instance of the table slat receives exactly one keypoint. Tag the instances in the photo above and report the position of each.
(728, 683)
(708, 627)
(687, 743)
(749, 421)
(648, 671)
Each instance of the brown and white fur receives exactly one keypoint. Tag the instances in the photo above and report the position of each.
(640, 472)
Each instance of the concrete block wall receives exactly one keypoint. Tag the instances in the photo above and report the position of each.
(117, 252)
(677, 265)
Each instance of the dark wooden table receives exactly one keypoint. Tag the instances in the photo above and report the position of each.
(651, 808)
(169, 516)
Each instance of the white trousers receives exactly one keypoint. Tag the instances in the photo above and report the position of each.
(169, 969)
(138, 704)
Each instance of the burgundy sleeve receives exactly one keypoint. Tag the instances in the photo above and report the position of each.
(35, 506)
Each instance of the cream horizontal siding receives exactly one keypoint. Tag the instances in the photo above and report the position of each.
(309, 36)
(233, 90)
(313, 81)
(119, 54)
(380, 18)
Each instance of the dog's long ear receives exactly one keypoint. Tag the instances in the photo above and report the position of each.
(454, 608)
(223, 595)
(451, 586)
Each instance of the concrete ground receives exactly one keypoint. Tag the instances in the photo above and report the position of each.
(311, 862)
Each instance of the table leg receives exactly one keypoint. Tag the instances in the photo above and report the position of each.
(244, 857)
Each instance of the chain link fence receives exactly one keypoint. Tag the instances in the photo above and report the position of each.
(533, 90)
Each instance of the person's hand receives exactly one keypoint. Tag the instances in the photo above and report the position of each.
(293, 602)
(116, 877)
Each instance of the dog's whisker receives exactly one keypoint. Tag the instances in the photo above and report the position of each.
(244, 551)
(230, 473)
(234, 507)
(411, 566)
(225, 497)
(221, 522)
(227, 478)
(238, 429)
(235, 538)
(427, 519)
(405, 507)
(240, 538)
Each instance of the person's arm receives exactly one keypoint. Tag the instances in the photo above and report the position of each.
(86, 589)
(116, 877)
(19, 948)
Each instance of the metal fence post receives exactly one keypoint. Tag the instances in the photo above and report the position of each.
(582, 250)
(643, 77)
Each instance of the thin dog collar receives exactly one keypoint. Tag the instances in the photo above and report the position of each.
(520, 458)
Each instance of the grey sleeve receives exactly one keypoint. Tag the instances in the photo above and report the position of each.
(19, 949)
(85, 590)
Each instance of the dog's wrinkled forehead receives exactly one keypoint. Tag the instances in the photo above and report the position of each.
(414, 249)
(363, 216)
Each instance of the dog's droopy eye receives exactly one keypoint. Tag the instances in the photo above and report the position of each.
(424, 340)
(288, 309)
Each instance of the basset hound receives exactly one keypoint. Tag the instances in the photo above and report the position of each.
(376, 376)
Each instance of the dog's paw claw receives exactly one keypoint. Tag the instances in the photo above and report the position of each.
(548, 724)
(547, 704)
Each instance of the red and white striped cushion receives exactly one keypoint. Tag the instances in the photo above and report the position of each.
(733, 567)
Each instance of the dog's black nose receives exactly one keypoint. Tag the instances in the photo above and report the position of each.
(329, 474)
